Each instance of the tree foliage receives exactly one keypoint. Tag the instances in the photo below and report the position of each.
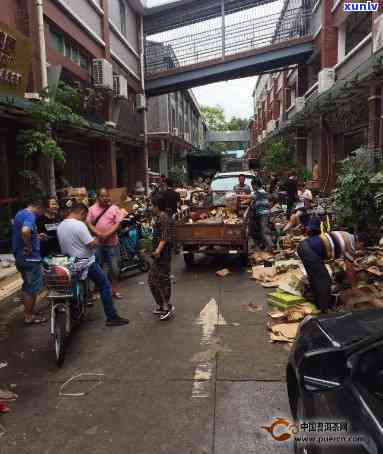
(237, 124)
(214, 117)
(52, 115)
(278, 157)
(216, 120)
(355, 204)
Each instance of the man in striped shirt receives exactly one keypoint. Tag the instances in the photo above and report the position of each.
(318, 249)
(260, 215)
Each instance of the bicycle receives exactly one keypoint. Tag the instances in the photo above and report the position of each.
(68, 297)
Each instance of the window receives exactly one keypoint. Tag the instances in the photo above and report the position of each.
(70, 49)
(122, 6)
(227, 183)
(358, 26)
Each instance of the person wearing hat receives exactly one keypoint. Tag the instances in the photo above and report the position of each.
(319, 248)
(260, 215)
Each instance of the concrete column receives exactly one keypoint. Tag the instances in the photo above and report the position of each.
(302, 82)
(328, 37)
(105, 28)
(284, 95)
(4, 170)
(106, 166)
(374, 108)
(342, 41)
(301, 147)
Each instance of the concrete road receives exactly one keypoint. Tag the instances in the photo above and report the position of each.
(203, 383)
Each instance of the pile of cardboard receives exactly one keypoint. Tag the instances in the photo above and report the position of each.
(80, 195)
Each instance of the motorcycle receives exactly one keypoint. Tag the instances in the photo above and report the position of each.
(68, 298)
(131, 258)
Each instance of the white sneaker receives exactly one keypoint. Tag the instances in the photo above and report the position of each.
(168, 314)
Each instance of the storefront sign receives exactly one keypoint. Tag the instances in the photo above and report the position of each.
(15, 61)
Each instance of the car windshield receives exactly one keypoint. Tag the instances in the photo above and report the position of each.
(227, 183)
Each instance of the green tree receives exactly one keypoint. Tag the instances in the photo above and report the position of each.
(278, 157)
(216, 120)
(237, 124)
(52, 116)
(214, 117)
(355, 204)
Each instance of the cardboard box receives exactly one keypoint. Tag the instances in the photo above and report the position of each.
(118, 195)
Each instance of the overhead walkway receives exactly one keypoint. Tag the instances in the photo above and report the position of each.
(191, 43)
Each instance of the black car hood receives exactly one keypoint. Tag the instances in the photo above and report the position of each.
(346, 329)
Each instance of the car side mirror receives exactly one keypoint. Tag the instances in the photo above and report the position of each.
(324, 370)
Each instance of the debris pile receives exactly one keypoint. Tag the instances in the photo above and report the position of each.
(216, 216)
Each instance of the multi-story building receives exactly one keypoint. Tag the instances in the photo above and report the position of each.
(91, 44)
(330, 106)
(175, 128)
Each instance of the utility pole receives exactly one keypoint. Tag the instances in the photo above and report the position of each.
(146, 145)
(223, 32)
(44, 83)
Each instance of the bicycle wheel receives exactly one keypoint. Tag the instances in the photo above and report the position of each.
(60, 337)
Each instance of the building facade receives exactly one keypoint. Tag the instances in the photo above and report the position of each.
(95, 47)
(330, 106)
(175, 128)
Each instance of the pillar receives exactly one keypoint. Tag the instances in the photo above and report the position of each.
(106, 165)
(301, 148)
(302, 82)
(4, 170)
(328, 37)
(374, 117)
(284, 96)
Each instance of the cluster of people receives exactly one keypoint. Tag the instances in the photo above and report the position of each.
(90, 235)
(319, 247)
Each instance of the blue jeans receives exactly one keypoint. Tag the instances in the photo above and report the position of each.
(109, 255)
(97, 275)
(32, 275)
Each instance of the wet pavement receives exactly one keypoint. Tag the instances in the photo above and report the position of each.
(203, 383)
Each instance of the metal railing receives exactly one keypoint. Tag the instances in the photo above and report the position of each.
(222, 42)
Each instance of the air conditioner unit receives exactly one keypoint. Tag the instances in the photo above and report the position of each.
(175, 131)
(102, 73)
(326, 79)
(141, 102)
(120, 86)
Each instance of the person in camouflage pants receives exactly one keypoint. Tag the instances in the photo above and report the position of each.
(163, 243)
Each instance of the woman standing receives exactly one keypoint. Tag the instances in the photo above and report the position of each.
(47, 228)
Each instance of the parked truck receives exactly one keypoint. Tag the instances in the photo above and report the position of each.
(222, 238)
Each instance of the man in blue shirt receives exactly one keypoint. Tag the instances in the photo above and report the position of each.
(26, 249)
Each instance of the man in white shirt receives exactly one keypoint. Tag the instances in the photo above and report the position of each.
(76, 241)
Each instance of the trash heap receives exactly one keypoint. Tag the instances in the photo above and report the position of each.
(369, 292)
(219, 215)
(290, 300)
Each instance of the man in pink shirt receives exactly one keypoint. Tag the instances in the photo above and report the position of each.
(104, 220)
